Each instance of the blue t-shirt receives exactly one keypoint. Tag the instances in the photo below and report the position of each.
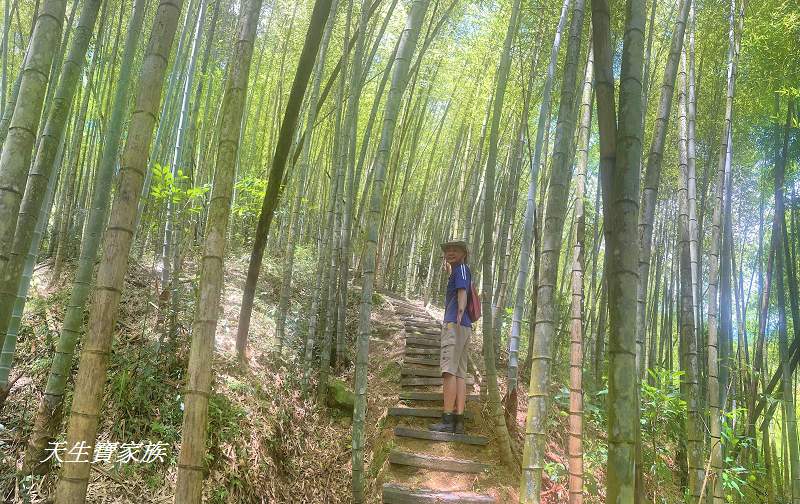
(460, 278)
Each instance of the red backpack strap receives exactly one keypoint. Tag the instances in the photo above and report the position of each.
(475, 304)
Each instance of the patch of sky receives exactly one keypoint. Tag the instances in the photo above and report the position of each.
(476, 15)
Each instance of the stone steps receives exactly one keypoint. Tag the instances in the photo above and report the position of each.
(423, 334)
(397, 494)
(410, 395)
(421, 361)
(422, 320)
(408, 432)
(423, 351)
(418, 341)
(421, 412)
(418, 381)
(422, 328)
(428, 325)
(433, 463)
(421, 369)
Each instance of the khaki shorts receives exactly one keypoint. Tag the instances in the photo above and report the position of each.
(455, 345)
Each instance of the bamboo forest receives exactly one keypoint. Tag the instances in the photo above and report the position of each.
(399, 251)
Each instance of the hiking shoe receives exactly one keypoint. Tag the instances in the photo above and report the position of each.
(446, 425)
(458, 426)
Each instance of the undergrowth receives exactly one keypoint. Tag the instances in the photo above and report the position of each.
(266, 442)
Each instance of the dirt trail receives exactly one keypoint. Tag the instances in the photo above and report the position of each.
(423, 466)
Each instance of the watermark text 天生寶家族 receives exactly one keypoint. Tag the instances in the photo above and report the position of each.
(142, 452)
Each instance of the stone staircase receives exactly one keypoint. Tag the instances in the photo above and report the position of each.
(426, 466)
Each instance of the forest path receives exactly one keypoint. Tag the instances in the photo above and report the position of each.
(426, 466)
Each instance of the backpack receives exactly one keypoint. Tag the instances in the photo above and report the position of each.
(473, 303)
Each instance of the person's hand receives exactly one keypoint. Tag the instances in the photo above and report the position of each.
(459, 316)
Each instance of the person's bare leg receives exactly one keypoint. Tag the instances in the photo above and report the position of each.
(461, 395)
(450, 392)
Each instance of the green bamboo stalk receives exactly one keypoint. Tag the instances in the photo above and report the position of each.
(17, 147)
(92, 371)
(546, 310)
(48, 413)
(400, 76)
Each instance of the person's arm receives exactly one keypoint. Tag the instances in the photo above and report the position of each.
(462, 283)
(462, 304)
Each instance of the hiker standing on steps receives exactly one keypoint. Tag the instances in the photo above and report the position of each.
(456, 332)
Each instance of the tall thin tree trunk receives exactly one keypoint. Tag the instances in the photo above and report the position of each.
(406, 48)
(652, 176)
(575, 443)
(763, 305)
(10, 345)
(73, 169)
(470, 231)
(495, 406)
(288, 265)
(543, 343)
(782, 251)
(530, 210)
(43, 165)
(337, 303)
(620, 153)
(173, 226)
(714, 382)
(282, 149)
(189, 487)
(196, 163)
(688, 335)
(652, 352)
(725, 298)
(358, 222)
(694, 240)
(600, 338)
(329, 287)
(92, 371)
(17, 147)
(538, 219)
(48, 414)
(316, 297)
(647, 60)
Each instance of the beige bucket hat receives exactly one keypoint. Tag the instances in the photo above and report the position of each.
(455, 243)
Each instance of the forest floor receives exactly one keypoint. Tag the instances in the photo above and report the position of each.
(268, 443)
